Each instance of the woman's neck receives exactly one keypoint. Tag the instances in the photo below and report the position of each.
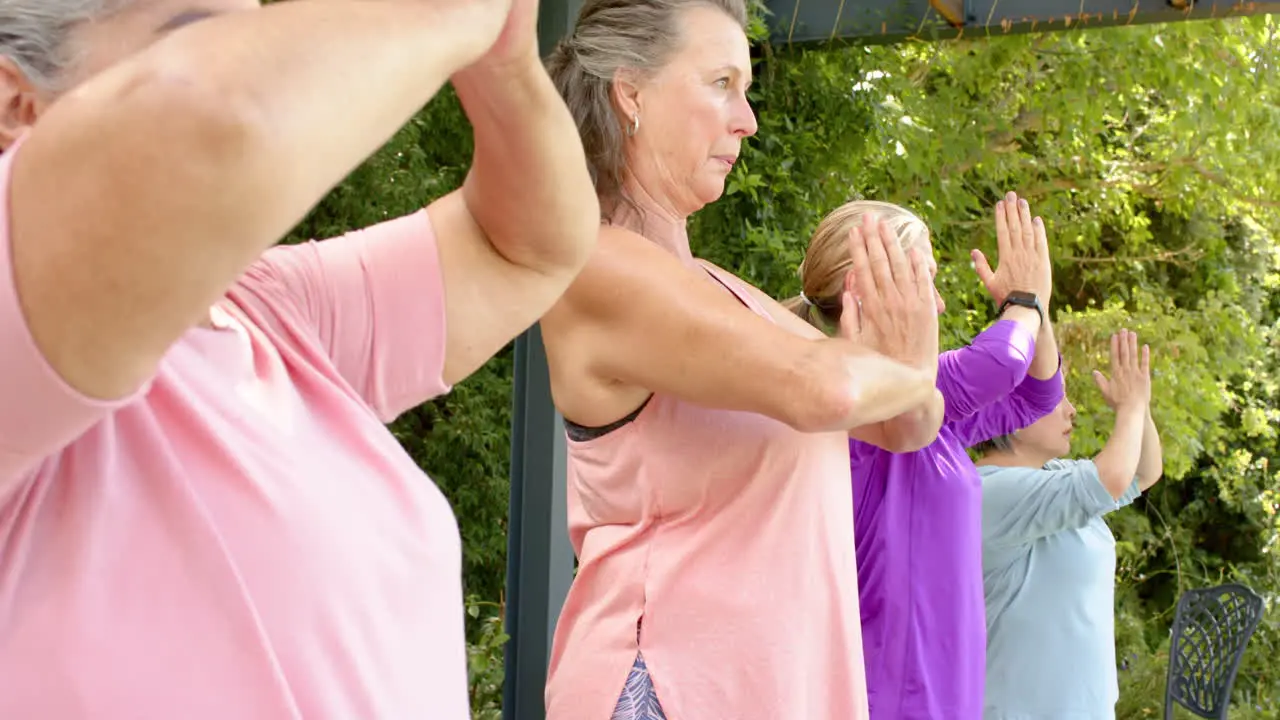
(659, 224)
(1014, 458)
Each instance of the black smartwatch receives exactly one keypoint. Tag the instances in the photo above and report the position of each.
(1022, 299)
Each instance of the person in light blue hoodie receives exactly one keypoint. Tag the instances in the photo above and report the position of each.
(1048, 557)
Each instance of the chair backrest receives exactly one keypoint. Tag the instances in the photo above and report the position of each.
(1211, 628)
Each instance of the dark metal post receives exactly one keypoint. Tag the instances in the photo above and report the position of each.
(539, 557)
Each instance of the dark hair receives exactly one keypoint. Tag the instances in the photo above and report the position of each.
(999, 443)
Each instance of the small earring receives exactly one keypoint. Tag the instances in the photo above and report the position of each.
(634, 126)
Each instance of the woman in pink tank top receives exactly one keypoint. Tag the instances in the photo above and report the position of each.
(202, 515)
(709, 488)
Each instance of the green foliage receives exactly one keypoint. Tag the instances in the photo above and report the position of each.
(485, 668)
(1152, 152)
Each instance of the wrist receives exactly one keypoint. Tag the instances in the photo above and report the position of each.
(1025, 317)
(1022, 299)
(1131, 407)
(928, 371)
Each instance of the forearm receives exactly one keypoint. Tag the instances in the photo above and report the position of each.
(987, 370)
(1046, 361)
(1151, 458)
(876, 389)
(323, 86)
(842, 386)
(1118, 461)
(528, 188)
(1025, 317)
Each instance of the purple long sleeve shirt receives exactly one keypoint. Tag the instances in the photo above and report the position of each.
(918, 528)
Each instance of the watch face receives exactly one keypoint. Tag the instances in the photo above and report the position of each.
(1022, 296)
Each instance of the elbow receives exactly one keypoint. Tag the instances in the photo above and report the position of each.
(573, 242)
(1114, 484)
(912, 431)
(1149, 478)
(1115, 480)
(899, 441)
(916, 429)
(562, 253)
(555, 239)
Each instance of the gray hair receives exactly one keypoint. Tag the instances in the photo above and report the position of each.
(34, 33)
(611, 35)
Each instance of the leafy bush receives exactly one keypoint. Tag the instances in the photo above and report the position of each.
(1152, 152)
(485, 668)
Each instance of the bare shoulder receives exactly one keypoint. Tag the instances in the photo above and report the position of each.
(624, 269)
(779, 314)
(617, 296)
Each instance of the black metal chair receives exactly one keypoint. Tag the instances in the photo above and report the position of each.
(1211, 628)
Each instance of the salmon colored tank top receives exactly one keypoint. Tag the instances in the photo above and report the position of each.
(731, 535)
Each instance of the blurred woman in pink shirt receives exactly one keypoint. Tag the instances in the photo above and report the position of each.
(709, 487)
(201, 512)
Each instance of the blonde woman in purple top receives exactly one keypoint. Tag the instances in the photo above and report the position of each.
(917, 515)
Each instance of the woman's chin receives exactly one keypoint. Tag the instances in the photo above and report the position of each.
(710, 190)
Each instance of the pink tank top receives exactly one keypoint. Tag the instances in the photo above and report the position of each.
(731, 535)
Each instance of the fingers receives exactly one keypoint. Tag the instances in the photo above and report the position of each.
(984, 271)
(1025, 224)
(1101, 381)
(877, 254)
(980, 265)
(1002, 228)
(850, 317)
(1013, 220)
(861, 262)
(900, 264)
(1040, 246)
(1041, 238)
(920, 276)
(1126, 356)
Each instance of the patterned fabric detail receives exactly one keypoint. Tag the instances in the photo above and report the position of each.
(638, 701)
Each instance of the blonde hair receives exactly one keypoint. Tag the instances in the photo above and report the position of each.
(827, 260)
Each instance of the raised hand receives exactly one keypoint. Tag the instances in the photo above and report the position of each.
(889, 304)
(1130, 381)
(1023, 251)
